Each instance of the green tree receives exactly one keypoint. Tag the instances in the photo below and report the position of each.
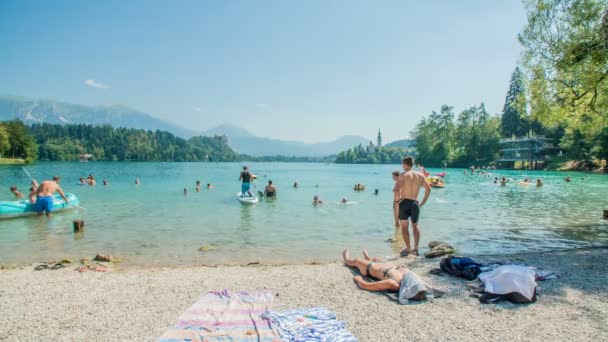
(514, 119)
(4, 141)
(566, 56)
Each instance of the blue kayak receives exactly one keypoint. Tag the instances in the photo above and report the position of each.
(12, 209)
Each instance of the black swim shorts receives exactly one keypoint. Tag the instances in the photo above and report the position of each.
(409, 210)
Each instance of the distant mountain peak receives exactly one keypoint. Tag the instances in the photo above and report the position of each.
(229, 130)
(32, 111)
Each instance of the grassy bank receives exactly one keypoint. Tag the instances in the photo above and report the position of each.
(565, 164)
(11, 161)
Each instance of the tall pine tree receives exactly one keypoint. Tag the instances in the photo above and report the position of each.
(514, 120)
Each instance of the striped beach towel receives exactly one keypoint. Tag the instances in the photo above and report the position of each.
(310, 324)
(225, 316)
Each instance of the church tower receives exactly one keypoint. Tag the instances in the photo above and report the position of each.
(379, 139)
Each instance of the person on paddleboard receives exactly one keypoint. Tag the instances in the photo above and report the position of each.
(246, 178)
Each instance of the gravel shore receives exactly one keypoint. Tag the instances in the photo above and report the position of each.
(139, 304)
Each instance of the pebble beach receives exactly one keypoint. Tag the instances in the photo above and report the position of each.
(138, 304)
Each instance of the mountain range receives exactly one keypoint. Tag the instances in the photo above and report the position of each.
(32, 111)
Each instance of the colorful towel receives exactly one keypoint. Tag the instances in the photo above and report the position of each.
(225, 316)
(311, 324)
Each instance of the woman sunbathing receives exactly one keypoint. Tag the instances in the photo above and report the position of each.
(390, 276)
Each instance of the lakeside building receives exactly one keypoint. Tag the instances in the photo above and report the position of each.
(530, 152)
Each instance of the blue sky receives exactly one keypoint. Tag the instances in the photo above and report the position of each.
(299, 70)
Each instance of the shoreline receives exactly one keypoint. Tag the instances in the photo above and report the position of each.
(139, 304)
(120, 264)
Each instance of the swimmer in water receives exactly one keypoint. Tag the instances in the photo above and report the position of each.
(344, 200)
(316, 200)
(137, 182)
(568, 179)
(16, 192)
(185, 192)
(539, 183)
(198, 186)
(295, 185)
(503, 181)
(105, 182)
(209, 186)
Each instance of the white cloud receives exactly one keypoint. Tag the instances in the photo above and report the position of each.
(95, 84)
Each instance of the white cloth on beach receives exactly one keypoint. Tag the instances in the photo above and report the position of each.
(411, 285)
(510, 279)
(309, 325)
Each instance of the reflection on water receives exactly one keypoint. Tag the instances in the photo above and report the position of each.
(153, 223)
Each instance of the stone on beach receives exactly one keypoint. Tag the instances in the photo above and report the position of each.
(104, 258)
(438, 249)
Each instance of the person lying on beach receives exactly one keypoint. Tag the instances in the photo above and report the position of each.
(316, 200)
(16, 192)
(389, 276)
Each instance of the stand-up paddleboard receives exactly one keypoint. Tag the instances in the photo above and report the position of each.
(247, 199)
(12, 209)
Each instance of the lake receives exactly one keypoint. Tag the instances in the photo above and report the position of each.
(155, 224)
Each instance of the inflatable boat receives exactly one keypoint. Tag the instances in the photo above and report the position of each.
(12, 209)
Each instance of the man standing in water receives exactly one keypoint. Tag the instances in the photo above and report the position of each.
(410, 183)
(246, 179)
(44, 202)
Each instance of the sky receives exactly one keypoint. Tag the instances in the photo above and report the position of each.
(300, 70)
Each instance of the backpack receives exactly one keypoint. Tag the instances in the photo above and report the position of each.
(461, 267)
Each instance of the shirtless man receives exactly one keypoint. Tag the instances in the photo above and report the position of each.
(410, 183)
(270, 190)
(46, 190)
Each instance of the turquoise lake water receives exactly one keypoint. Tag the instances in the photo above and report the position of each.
(155, 224)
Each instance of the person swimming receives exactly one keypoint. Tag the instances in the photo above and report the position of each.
(137, 182)
(503, 181)
(81, 181)
(270, 190)
(539, 183)
(209, 186)
(105, 182)
(16, 192)
(344, 200)
(185, 192)
(376, 192)
(568, 179)
(316, 200)
(295, 185)
(198, 186)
